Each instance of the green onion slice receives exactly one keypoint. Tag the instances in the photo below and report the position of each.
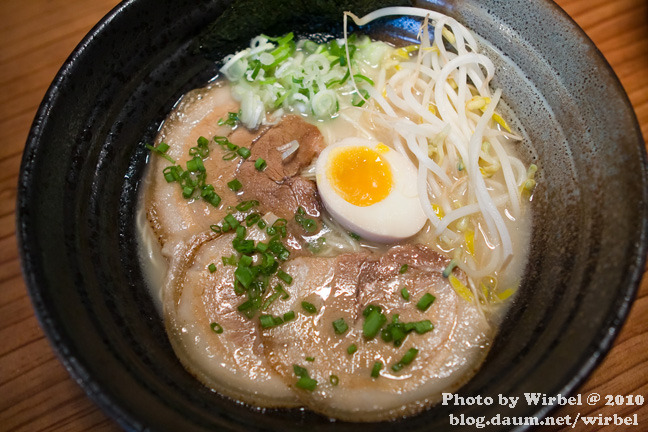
(405, 294)
(374, 320)
(375, 370)
(244, 152)
(425, 302)
(308, 307)
(334, 380)
(339, 326)
(408, 358)
(284, 277)
(235, 185)
(216, 328)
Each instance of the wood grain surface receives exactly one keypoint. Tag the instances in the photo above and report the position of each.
(36, 36)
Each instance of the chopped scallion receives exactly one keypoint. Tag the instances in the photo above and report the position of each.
(408, 358)
(270, 300)
(195, 165)
(306, 383)
(231, 260)
(244, 152)
(232, 119)
(161, 149)
(252, 218)
(216, 328)
(375, 370)
(339, 326)
(246, 205)
(419, 327)
(260, 164)
(235, 185)
(309, 225)
(244, 275)
(231, 220)
(284, 294)
(425, 302)
(300, 371)
(308, 307)
(373, 322)
(267, 321)
(405, 294)
(284, 277)
(243, 246)
(241, 232)
(334, 380)
(187, 191)
(363, 77)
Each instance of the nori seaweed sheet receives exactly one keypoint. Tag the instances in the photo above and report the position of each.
(244, 19)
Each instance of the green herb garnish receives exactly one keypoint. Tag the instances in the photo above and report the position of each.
(235, 185)
(304, 382)
(232, 119)
(405, 294)
(308, 307)
(425, 302)
(339, 326)
(161, 150)
(374, 320)
(408, 358)
(375, 370)
(216, 328)
(260, 164)
(244, 152)
(284, 277)
(334, 380)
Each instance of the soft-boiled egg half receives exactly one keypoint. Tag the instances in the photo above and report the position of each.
(370, 189)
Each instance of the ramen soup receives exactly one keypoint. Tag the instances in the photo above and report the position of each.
(339, 225)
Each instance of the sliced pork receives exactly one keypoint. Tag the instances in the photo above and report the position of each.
(173, 218)
(287, 149)
(212, 339)
(447, 356)
(257, 365)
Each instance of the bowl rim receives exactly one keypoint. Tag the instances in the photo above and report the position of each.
(55, 335)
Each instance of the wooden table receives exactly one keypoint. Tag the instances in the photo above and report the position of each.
(36, 36)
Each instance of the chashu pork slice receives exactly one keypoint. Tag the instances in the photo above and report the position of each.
(175, 219)
(287, 148)
(232, 362)
(447, 356)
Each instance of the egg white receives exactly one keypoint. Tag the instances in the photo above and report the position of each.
(396, 217)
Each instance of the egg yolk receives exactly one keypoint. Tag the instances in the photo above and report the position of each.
(359, 175)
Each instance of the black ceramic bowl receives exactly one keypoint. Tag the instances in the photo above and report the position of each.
(85, 157)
